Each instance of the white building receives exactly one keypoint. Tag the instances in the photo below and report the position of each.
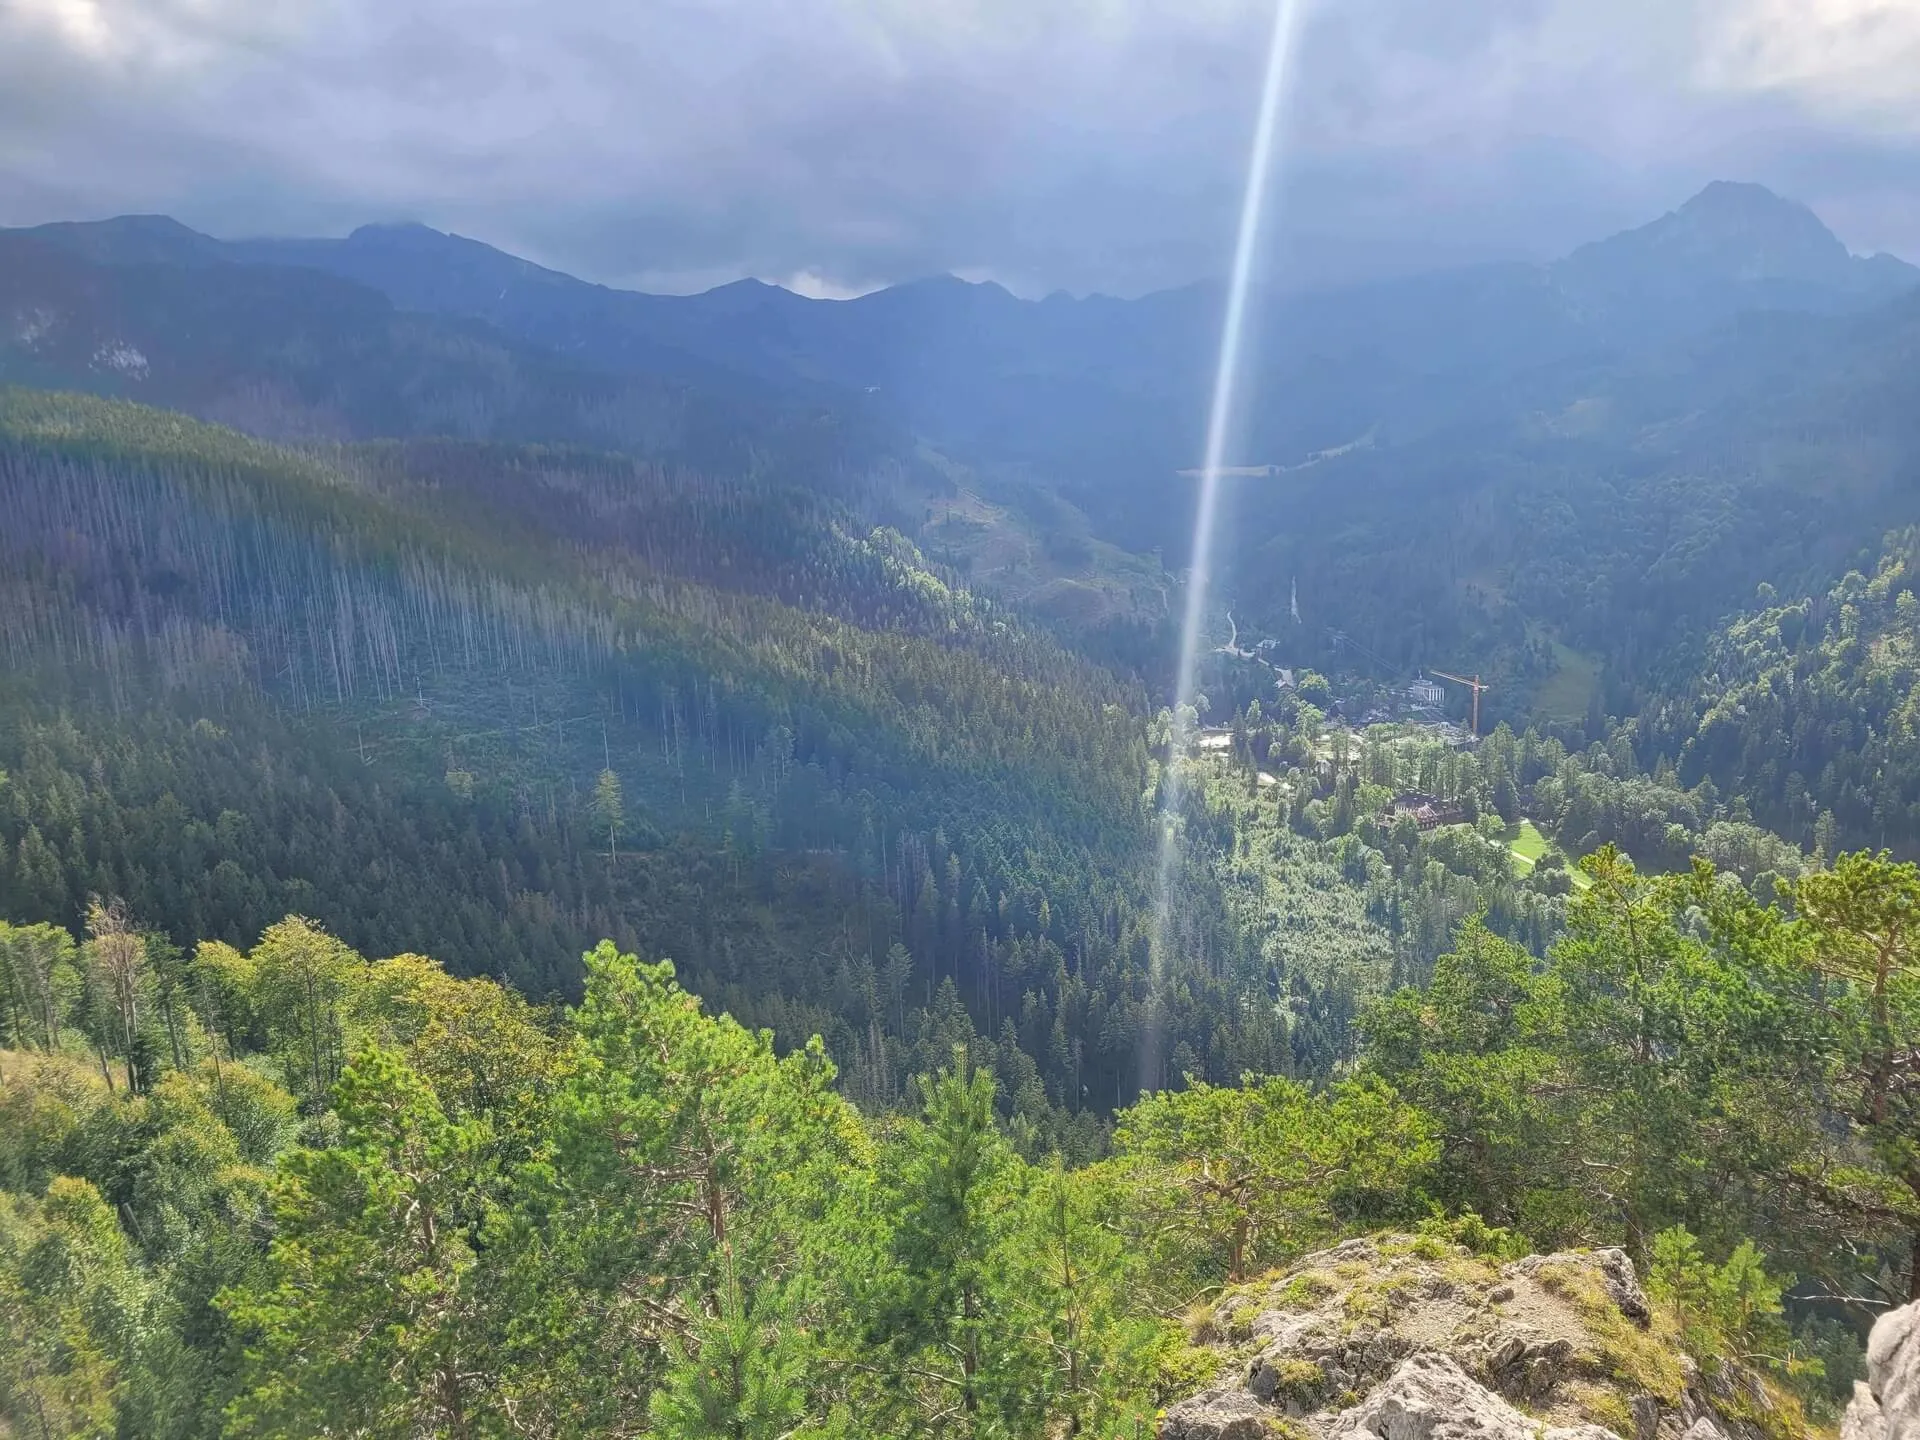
(1426, 692)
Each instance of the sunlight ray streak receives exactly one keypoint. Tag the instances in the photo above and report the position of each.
(1220, 417)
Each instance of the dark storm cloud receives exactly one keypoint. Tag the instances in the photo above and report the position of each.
(839, 143)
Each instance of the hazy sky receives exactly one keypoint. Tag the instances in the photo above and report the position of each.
(835, 144)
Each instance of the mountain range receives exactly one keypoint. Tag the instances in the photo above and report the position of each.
(390, 596)
(1733, 343)
(974, 367)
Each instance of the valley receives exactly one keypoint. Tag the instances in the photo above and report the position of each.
(389, 623)
(811, 629)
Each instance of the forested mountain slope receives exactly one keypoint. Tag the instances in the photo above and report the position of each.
(147, 310)
(814, 770)
(1626, 521)
(298, 354)
(1606, 452)
(1808, 707)
(493, 700)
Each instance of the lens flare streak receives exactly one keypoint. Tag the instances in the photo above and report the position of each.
(1219, 425)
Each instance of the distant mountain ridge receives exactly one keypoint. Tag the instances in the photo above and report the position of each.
(1099, 398)
(1102, 398)
(146, 309)
(1030, 380)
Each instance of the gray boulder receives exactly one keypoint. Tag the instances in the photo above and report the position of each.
(1623, 1284)
(1224, 1413)
(1887, 1405)
(1863, 1420)
(1893, 1370)
(1431, 1398)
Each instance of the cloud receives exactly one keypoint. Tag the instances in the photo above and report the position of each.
(847, 143)
(1846, 60)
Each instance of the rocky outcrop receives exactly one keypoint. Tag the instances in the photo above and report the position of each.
(1863, 1420)
(1886, 1406)
(1431, 1398)
(1225, 1413)
(1616, 1273)
(1415, 1338)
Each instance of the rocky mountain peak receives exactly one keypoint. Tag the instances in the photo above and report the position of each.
(1757, 233)
(1730, 233)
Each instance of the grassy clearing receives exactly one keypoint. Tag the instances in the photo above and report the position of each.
(1523, 837)
(1566, 694)
(1530, 847)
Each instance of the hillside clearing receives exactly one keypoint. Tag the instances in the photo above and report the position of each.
(1530, 847)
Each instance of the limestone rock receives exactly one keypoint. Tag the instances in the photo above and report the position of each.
(1309, 1359)
(1863, 1420)
(1431, 1398)
(1616, 1273)
(1226, 1412)
(1893, 1371)
(1623, 1284)
(1403, 1337)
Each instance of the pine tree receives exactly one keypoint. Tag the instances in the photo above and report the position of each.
(609, 809)
(371, 1318)
(1863, 919)
(740, 1373)
(942, 1310)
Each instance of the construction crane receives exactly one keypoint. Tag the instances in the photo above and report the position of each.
(1476, 686)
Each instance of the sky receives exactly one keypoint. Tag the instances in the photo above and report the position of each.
(837, 145)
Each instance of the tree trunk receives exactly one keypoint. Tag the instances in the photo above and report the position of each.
(969, 1350)
(452, 1401)
(1882, 1080)
(174, 1039)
